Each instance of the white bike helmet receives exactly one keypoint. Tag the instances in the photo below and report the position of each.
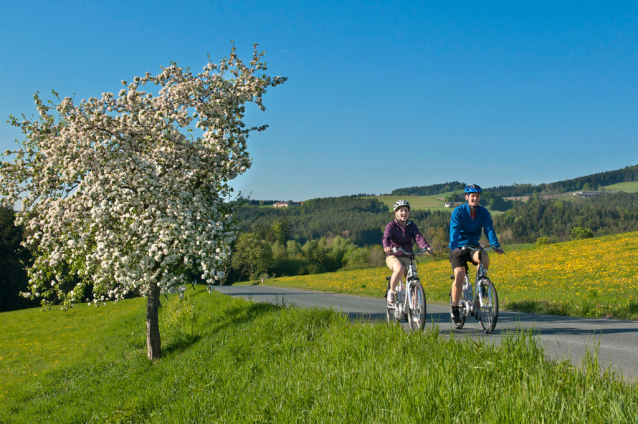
(401, 203)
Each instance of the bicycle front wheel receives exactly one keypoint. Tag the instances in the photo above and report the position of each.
(488, 311)
(417, 307)
(462, 302)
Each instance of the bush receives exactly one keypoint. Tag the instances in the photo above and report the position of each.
(252, 256)
(376, 258)
(541, 241)
(580, 233)
(290, 267)
(357, 259)
(312, 268)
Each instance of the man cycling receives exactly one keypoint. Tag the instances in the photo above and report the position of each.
(400, 233)
(465, 229)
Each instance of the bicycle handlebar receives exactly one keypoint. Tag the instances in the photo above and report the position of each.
(396, 249)
(480, 248)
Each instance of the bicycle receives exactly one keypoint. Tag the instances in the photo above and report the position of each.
(483, 303)
(410, 298)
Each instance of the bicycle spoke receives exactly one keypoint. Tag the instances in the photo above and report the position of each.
(417, 307)
(488, 312)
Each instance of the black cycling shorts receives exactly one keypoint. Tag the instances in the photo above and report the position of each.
(462, 259)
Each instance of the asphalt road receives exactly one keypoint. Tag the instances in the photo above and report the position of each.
(561, 337)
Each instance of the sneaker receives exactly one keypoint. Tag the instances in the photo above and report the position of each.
(391, 296)
(456, 315)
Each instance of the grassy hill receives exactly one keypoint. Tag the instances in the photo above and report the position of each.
(432, 203)
(228, 360)
(589, 182)
(627, 187)
(596, 277)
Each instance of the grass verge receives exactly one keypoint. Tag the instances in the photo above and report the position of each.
(248, 362)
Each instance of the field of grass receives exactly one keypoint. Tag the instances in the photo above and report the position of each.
(416, 202)
(245, 362)
(628, 187)
(596, 277)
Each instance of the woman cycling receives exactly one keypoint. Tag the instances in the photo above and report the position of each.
(400, 233)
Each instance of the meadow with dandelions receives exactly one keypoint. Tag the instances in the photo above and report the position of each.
(596, 277)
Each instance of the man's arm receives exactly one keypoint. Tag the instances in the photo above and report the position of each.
(455, 229)
(488, 229)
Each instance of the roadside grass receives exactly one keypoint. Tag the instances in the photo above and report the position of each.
(596, 277)
(249, 362)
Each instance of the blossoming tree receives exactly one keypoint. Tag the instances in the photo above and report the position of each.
(117, 192)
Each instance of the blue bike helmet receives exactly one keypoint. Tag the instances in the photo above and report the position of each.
(473, 188)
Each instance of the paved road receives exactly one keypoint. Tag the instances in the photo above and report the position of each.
(562, 337)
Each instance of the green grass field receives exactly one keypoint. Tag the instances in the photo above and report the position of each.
(628, 187)
(416, 202)
(239, 362)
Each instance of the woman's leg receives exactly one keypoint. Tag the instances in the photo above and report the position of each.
(397, 271)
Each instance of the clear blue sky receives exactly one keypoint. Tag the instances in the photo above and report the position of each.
(380, 95)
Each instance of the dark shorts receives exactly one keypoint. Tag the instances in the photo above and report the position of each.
(462, 259)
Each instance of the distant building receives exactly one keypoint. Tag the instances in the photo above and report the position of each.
(587, 193)
(452, 204)
(286, 204)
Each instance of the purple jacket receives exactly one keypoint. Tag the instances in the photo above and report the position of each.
(397, 236)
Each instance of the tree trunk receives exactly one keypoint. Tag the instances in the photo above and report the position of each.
(153, 341)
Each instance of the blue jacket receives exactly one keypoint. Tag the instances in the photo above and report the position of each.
(465, 230)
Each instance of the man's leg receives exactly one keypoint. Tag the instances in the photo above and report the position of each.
(486, 259)
(458, 266)
(457, 284)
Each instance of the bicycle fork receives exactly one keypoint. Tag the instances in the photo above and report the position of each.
(473, 301)
(403, 300)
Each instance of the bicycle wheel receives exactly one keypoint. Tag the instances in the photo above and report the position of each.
(488, 313)
(418, 307)
(389, 313)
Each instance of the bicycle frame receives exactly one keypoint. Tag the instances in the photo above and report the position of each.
(476, 296)
(400, 306)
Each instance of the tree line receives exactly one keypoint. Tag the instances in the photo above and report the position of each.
(604, 214)
(360, 220)
(586, 183)
(429, 190)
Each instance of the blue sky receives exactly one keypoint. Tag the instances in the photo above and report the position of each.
(380, 95)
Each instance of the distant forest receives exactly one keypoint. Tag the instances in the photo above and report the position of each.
(430, 190)
(589, 182)
(363, 220)
(603, 214)
(586, 183)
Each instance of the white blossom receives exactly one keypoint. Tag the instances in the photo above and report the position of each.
(118, 192)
